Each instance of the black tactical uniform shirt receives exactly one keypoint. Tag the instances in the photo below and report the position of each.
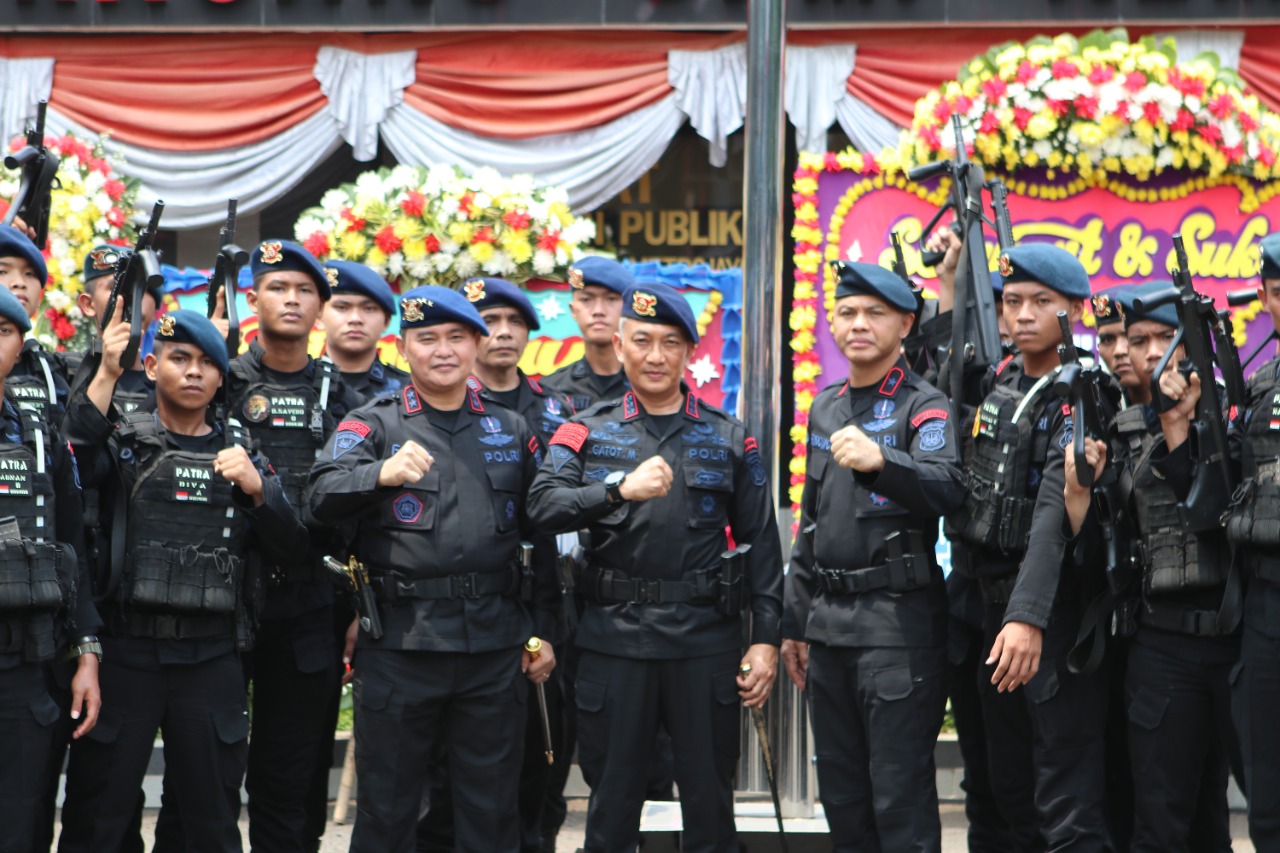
(585, 387)
(719, 481)
(846, 514)
(33, 375)
(465, 516)
(542, 408)
(380, 378)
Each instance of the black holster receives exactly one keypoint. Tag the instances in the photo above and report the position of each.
(732, 595)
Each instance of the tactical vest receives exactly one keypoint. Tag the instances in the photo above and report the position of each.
(1253, 518)
(1004, 446)
(294, 422)
(1173, 559)
(36, 391)
(37, 576)
(185, 535)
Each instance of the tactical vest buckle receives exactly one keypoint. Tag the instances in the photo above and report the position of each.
(463, 586)
(646, 591)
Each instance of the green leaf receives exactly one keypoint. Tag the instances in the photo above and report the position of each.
(1103, 39)
(1210, 57)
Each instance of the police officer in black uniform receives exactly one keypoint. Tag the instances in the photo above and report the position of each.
(1251, 527)
(436, 480)
(1046, 742)
(190, 503)
(1113, 345)
(354, 320)
(510, 317)
(1185, 642)
(47, 615)
(865, 620)
(598, 286)
(656, 477)
(37, 381)
(290, 404)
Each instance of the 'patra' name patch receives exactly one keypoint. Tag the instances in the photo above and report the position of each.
(15, 478)
(192, 483)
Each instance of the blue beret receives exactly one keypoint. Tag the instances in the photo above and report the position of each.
(997, 281)
(280, 255)
(855, 278)
(487, 292)
(12, 309)
(602, 272)
(101, 262)
(655, 302)
(431, 305)
(191, 327)
(1166, 314)
(1270, 246)
(357, 278)
(1111, 305)
(1052, 266)
(15, 244)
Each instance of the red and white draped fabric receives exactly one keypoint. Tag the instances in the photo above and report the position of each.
(199, 120)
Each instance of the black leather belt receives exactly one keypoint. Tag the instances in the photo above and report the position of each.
(166, 626)
(394, 590)
(610, 586)
(1180, 620)
(913, 571)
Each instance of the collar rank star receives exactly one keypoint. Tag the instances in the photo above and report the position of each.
(644, 304)
(271, 252)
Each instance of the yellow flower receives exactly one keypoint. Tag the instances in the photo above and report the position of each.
(1041, 125)
(806, 186)
(352, 245)
(796, 465)
(804, 290)
(461, 232)
(799, 434)
(811, 161)
(560, 211)
(376, 257)
(1090, 133)
(414, 249)
(481, 251)
(516, 244)
(1054, 160)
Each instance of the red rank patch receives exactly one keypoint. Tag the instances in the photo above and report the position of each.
(929, 415)
(572, 436)
(750, 444)
(1066, 410)
(533, 444)
(358, 428)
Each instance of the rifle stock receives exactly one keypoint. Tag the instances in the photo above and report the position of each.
(39, 168)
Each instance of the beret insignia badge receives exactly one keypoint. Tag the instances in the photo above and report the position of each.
(644, 304)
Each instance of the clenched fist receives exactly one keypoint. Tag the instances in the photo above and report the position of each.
(651, 479)
(407, 465)
(851, 448)
(235, 466)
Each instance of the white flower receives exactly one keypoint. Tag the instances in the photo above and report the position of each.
(703, 371)
(488, 180)
(74, 314)
(420, 269)
(333, 201)
(404, 177)
(579, 231)
(1042, 148)
(77, 203)
(465, 265)
(306, 226)
(1230, 133)
(544, 262)
(59, 300)
(443, 261)
(500, 264)
(369, 186)
(395, 264)
(483, 200)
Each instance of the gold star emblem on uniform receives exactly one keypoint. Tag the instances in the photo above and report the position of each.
(272, 252)
(575, 278)
(474, 289)
(167, 326)
(412, 309)
(1006, 266)
(644, 304)
(332, 275)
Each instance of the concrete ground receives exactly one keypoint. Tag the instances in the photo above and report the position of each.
(338, 838)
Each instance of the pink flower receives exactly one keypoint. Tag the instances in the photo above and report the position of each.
(518, 219)
(1187, 85)
(1064, 69)
(115, 216)
(1184, 121)
(1087, 106)
(1234, 153)
(830, 162)
(1134, 81)
(1026, 71)
(484, 235)
(548, 240)
(1021, 116)
(931, 139)
(1222, 106)
(1248, 124)
(990, 123)
(354, 223)
(1151, 112)
(1058, 108)
(114, 189)
(962, 104)
(1266, 156)
(942, 111)
(433, 244)
(1210, 133)
(994, 89)
(1101, 74)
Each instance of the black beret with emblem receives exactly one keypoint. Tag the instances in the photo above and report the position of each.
(485, 293)
(655, 302)
(602, 272)
(855, 278)
(431, 305)
(281, 255)
(15, 244)
(350, 277)
(192, 327)
(1109, 305)
(1166, 314)
(12, 309)
(1270, 249)
(101, 262)
(1052, 266)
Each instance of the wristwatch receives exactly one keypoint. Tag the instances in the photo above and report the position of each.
(613, 487)
(86, 645)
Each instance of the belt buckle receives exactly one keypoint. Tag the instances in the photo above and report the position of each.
(646, 591)
(166, 626)
(462, 586)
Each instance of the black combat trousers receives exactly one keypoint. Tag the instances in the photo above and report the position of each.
(876, 714)
(29, 718)
(203, 713)
(620, 704)
(1046, 745)
(296, 674)
(411, 704)
(1181, 740)
(1255, 696)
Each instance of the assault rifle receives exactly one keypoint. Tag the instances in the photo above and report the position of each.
(975, 334)
(1206, 335)
(135, 274)
(39, 168)
(225, 275)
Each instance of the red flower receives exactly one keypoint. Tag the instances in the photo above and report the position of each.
(387, 240)
(518, 219)
(1122, 111)
(115, 216)
(484, 235)
(1101, 74)
(869, 164)
(4, 207)
(942, 111)
(994, 89)
(1248, 124)
(1064, 69)
(1134, 81)
(1058, 108)
(1151, 112)
(467, 205)
(931, 138)
(1234, 153)
(354, 223)
(1087, 106)
(1021, 116)
(1222, 106)
(798, 199)
(830, 162)
(414, 203)
(990, 123)
(317, 244)
(1184, 121)
(1188, 86)
(51, 313)
(433, 244)
(114, 189)
(550, 239)
(97, 164)
(1026, 71)
(962, 104)
(1210, 133)
(1266, 156)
